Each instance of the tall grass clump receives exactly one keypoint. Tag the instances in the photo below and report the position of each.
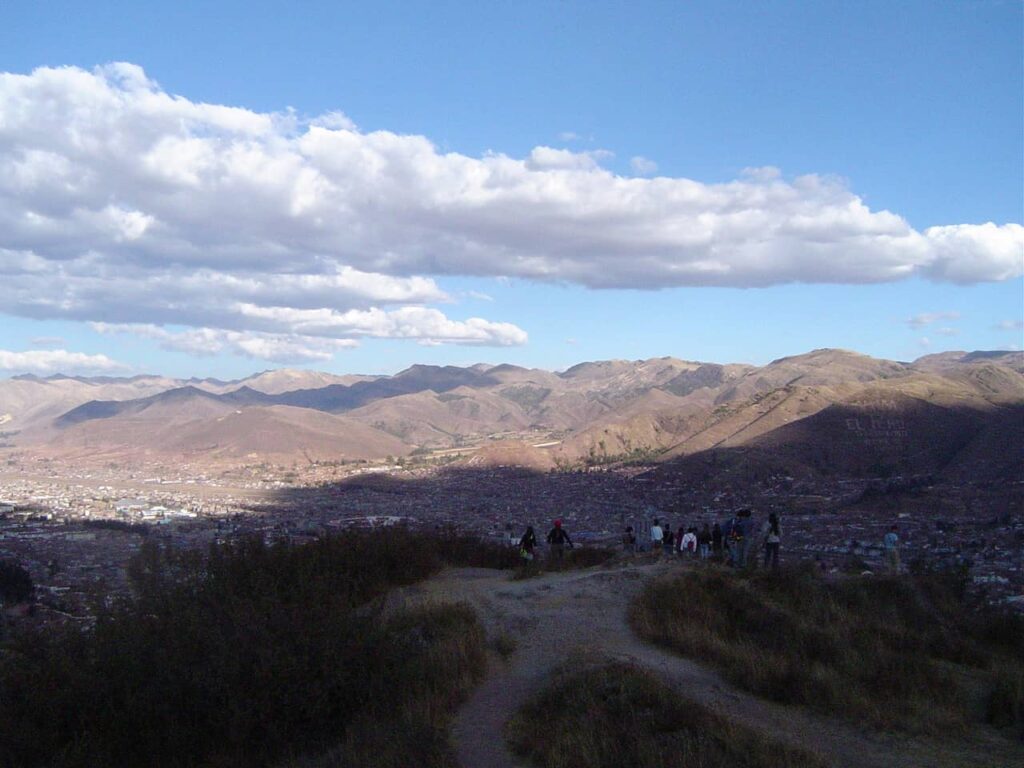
(876, 649)
(247, 655)
(615, 715)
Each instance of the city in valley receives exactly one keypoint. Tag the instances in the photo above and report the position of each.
(666, 440)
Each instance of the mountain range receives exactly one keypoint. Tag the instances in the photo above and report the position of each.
(825, 411)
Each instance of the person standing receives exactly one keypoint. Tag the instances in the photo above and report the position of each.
(657, 535)
(558, 538)
(704, 542)
(527, 544)
(716, 542)
(688, 542)
(891, 545)
(668, 540)
(730, 540)
(629, 541)
(772, 541)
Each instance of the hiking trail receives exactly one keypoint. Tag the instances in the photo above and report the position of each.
(554, 615)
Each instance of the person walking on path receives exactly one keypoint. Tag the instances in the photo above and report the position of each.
(558, 538)
(527, 544)
(891, 545)
(772, 541)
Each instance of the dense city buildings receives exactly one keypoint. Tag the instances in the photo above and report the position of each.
(75, 530)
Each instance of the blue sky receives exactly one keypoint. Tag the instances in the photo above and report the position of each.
(582, 187)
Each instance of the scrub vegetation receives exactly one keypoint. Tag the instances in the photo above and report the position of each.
(906, 653)
(253, 654)
(614, 715)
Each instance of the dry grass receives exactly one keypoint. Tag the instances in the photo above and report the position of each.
(614, 715)
(574, 559)
(872, 649)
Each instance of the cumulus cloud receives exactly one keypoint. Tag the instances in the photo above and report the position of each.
(203, 342)
(124, 204)
(927, 318)
(45, 362)
(642, 166)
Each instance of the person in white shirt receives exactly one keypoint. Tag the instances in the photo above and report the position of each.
(688, 545)
(656, 536)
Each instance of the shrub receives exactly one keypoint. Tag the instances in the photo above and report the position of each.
(244, 655)
(618, 716)
(15, 583)
(866, 648)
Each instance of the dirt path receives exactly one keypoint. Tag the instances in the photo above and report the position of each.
(552, 616)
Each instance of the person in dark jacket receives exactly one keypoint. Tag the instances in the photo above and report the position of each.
(557, 539)
(716, 542)
(527, 544)
(704, 539)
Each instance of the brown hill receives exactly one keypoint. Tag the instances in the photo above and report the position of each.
(431, 419)
(597, 411)
(278, 433)
(27, 402)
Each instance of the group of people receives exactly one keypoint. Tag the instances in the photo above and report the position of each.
(730, 542)
(557, 539)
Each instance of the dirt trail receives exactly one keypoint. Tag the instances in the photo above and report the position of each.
(552, 616)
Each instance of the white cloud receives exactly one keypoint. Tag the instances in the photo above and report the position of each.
(1010, 325)
(947, 331)
(121, 203)
(642, 166)
(201, 342)
(925, 342)
(45, 362)
(927, 318)
(552, 159)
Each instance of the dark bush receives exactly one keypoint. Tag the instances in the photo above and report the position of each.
(15, 583)
(245, 655)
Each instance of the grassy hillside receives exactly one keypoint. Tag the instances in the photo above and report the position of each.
(907, 653)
